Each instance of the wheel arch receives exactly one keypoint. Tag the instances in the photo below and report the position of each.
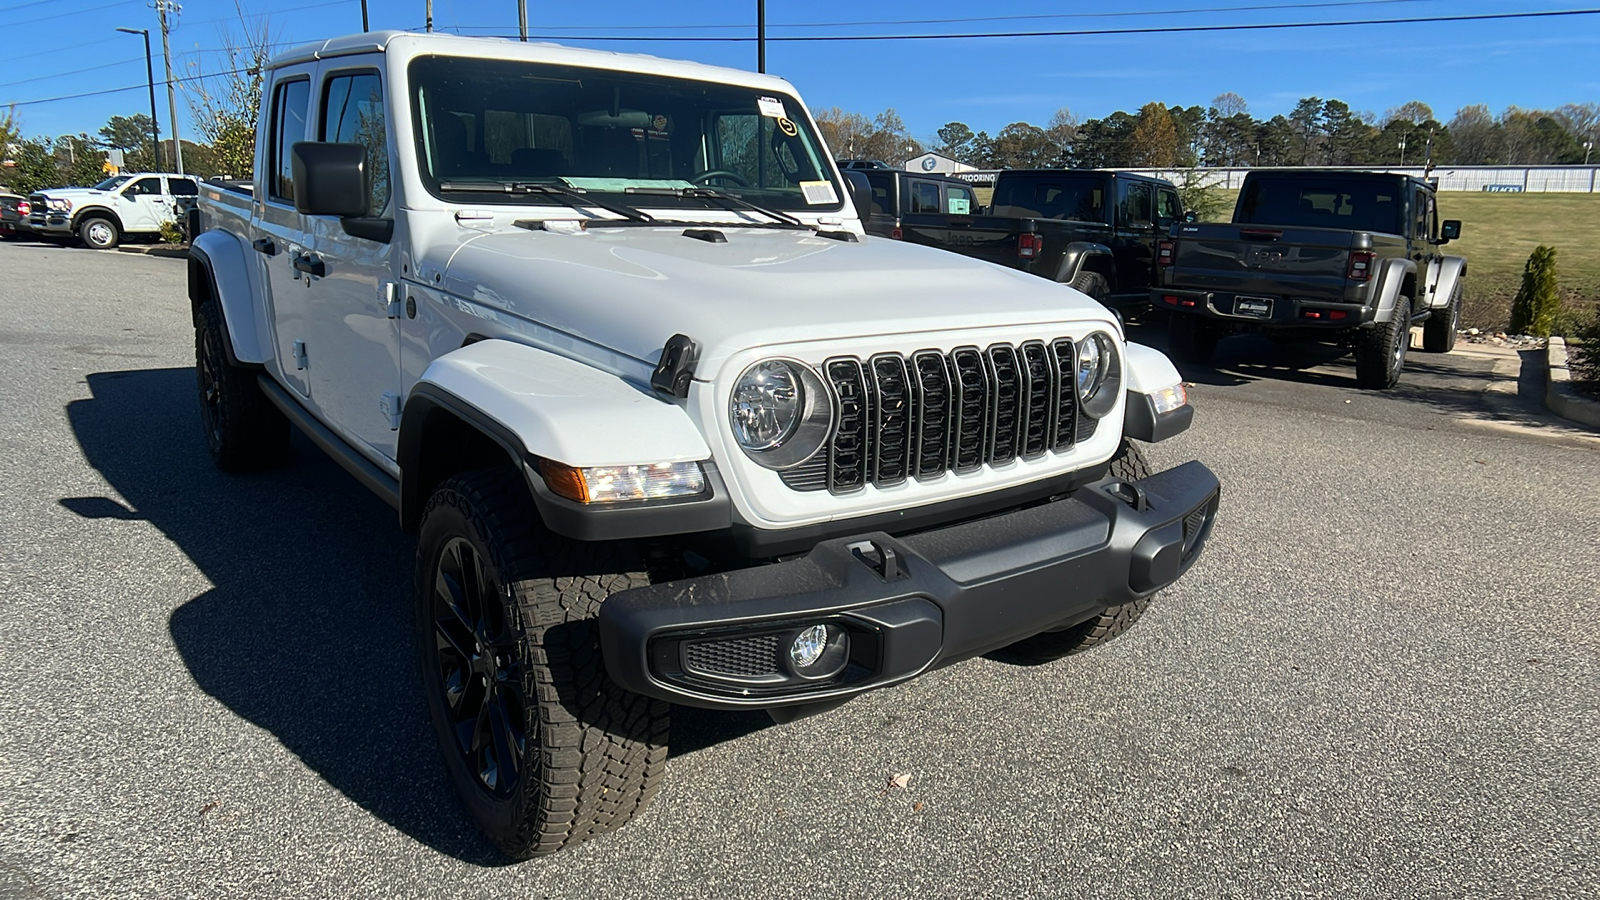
(78, 215)
(1452, 270)
(218, 271)
(1083, 256)
(1397, 277)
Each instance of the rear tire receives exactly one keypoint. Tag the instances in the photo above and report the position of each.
(544, 749)
(244, 431)
(99, 233)
(1129, 465)
(1191, 339)
(1439, 332)
(1381, 351)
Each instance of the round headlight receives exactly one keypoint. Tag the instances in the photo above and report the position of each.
(766, 405)
(781, 412)
(1099, 374)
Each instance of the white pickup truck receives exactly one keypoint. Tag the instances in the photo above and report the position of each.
(668, 427)
(102, 215)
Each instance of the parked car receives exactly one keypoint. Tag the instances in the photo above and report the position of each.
(101, 216)
(663, 442)
(1335, 255)
(1091, 229)
(14, 216)
(864, 164)
(899, 196)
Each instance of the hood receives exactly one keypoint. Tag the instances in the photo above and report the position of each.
(71, 193)
(629, 289)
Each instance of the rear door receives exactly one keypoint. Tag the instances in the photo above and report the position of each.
(1133, 235)
(280, 237)
(352, 316)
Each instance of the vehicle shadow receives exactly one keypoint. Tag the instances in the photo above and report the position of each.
(306, 632)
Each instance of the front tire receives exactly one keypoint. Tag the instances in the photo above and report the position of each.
(1381, 351)
(1129, 465)
(544, 749)
(99, 233)
(243, 430)
(1439, 332)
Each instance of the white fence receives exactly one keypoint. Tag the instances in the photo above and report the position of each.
(1519, 179)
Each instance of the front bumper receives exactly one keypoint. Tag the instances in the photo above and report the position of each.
(53, 222)
(1285, 311)
(900, 606)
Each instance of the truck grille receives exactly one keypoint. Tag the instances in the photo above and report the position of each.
(920, 416)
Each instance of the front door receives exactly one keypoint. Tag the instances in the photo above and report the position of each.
(280, 237)
(353, 313)
(145, 205)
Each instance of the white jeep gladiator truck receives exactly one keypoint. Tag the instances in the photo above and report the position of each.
(667, 426)
(102, 215)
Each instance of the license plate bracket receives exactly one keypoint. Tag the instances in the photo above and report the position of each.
(1255, 307)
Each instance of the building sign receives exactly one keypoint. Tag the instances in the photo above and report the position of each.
(1503, 188)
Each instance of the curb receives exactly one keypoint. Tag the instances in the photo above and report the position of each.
(166, 251)
(1559, 395)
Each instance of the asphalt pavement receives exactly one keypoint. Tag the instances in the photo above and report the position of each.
(1381, 680)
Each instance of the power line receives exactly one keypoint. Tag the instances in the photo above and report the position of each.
(118, 90)
(1097, 15)
(76, 12)
(121, 62)
(1085, 32)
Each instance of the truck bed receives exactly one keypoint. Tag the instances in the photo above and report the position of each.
(1270, 261)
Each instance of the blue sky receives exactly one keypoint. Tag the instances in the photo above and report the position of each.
(57, 48)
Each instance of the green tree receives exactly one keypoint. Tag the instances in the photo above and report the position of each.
(1535, 306)
(1476, 135)
(956, 142)
(1306, 131)
(1348, 138)
(82, 163)
(33, 166)
(133, 135)
(1022, 146)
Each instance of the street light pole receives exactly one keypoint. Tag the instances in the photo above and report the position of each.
(761, 36)
(172, 98)
(150, 77)
(522, 18)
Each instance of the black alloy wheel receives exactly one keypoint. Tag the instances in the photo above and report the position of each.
(480, 668)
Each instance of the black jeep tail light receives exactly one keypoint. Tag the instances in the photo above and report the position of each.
(1360, 265)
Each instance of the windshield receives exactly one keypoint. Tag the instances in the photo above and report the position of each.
(627, 138)
(112, 183)
(1050, 197)
(1313, 202)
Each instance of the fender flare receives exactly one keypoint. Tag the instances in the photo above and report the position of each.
(1148, 371)
(1451, 271)
(107, 212)
(1391, 279)
(220, 270)
(535, 404)
(1079, 252)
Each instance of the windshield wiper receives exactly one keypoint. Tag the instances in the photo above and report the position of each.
(706, 193)
(571, 197)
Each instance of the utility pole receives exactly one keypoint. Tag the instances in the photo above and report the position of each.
(761, 36)
(364, 26)
(150, 78)
(162, 7)
(429, 26)
(522, 17)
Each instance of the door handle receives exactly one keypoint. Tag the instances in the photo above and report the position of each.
(265, 245)
(311, 264)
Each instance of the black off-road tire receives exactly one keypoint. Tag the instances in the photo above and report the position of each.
(243, 430)
(1191, 339)
(1439, 332)
(1093, 284)
(1381, 351)
(1129, 464)
(99, 233)
(591, 754)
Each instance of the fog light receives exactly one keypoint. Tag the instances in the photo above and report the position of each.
(808, 647)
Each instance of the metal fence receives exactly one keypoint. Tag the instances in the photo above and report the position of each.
(1517, 179)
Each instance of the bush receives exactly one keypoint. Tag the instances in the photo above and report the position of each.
(171, 233)
(1583, 345)
(1534, 308)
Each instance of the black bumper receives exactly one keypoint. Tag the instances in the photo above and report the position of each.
(895, 607)
(1286, 311)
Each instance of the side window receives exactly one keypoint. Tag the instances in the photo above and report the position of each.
(1167, 207)
(958, 201)
(183, 187)
(924, 197)
(352, 113)
(143, 187)
(1135, 204)
(882, 205)
(288, 128)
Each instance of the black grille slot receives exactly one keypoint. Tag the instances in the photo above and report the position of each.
(920, 416)
(748, 657)
(932, 373)
(896, 409)
(1040, 382)
(847, 464)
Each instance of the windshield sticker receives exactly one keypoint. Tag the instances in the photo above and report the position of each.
(788, 127)
(771, 107)
(818, 193)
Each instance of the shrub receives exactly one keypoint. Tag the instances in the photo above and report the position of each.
(1583, 346)
(1534, 308)
(171, 233)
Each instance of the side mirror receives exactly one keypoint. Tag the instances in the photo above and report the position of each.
(1449, 230)
(330, 179)
(860, 193)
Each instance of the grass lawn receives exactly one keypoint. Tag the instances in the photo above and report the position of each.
(1498, 231)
